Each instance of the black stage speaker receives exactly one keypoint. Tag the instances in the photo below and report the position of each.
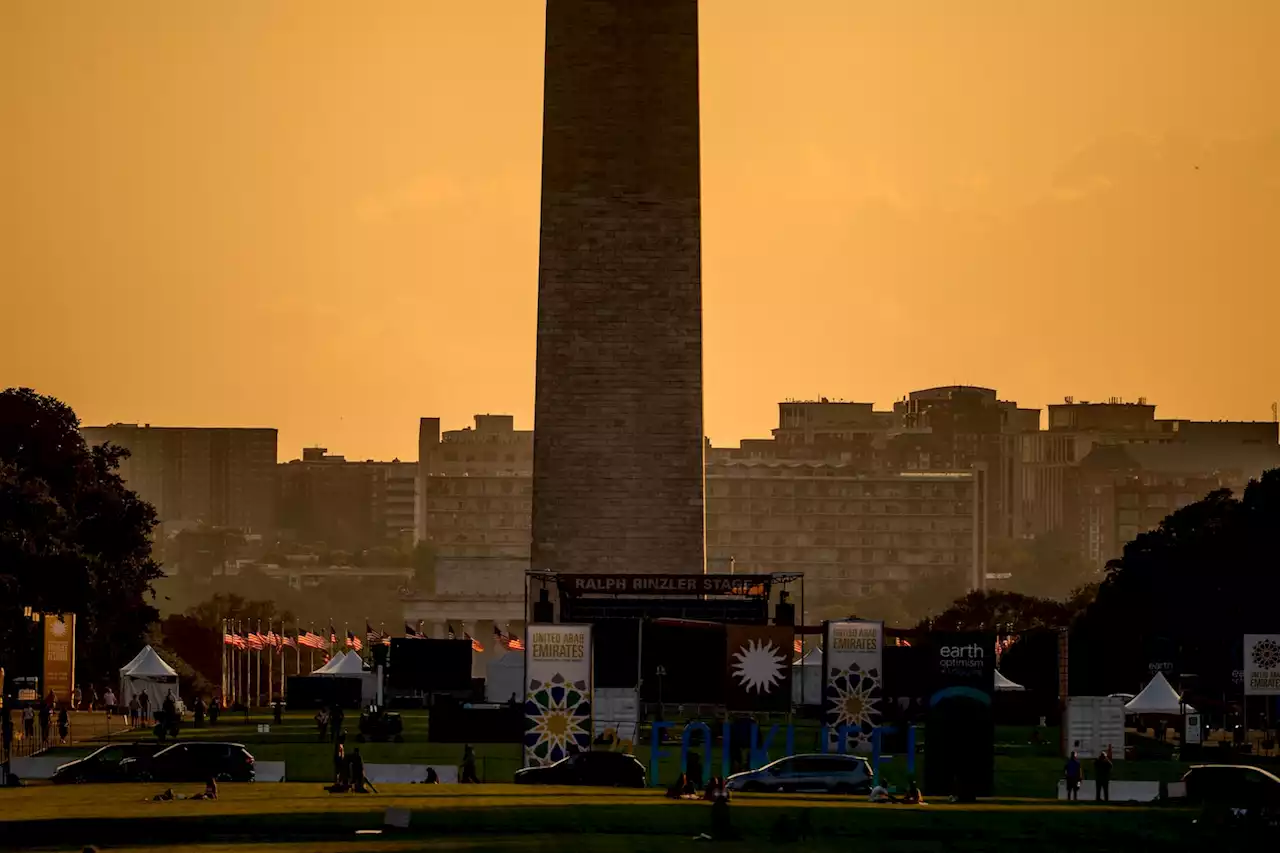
(544, 611)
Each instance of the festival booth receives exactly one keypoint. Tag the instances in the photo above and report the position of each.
(504, 678)
(806, 679)
(342, 681)
(147, 674)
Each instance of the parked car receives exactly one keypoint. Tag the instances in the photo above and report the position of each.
(101, 765)
(193, 761)
(600, 769)
(1234, 791)
(833, 774)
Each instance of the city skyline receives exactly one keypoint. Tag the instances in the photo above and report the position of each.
(332, 229)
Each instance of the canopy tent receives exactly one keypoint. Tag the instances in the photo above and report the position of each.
(148, 674)
(504, 677)
(1003, 683)
(806, 679)
(1158, 697)
(328, 666)
(349, 664)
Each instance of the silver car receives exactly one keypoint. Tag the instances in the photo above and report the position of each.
(832, 774)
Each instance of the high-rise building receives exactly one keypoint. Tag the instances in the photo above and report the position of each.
(218, 476)
(618, 452)
(345, 504)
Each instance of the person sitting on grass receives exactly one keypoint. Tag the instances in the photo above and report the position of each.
(683, 788)
(913, 797)
(716, 790)
(433, 778)
(210, 790)
(356, 774)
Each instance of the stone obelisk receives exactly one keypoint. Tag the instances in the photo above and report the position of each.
(618, 477)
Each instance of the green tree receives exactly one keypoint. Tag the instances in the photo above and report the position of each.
(1048, 566)
(424, 567)
(72, 537)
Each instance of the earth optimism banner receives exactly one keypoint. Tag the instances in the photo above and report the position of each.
(1262, 664)
(852, 666)
(557, 704)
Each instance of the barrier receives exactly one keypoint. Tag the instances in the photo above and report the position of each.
(1121, 792)
(37, 766)
(400, 774)
(268, 771)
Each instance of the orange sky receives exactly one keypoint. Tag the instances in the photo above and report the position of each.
(323, 216)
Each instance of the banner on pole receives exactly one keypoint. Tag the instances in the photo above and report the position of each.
(557, 706)
(1262, 664)
(59, 655)
(758, 667)
(853, 680)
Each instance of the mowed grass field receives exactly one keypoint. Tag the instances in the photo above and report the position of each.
(1023, 769)
(302, 816)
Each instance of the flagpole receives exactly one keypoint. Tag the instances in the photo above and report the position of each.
(271, 664)
(222, 674)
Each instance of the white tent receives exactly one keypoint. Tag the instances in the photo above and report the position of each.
(504, 677)
(1158, 697)
(148, 674)
(328, 666)
(1003, 683)
(806, 679)
(350, 664)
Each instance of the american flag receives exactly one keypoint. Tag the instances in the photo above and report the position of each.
(798, 645)
(311, 640)
(409, 632)
(255, 641)
(509, 640)
(354, 642)
(286, 640)
(228, 638)
(451, 635)
(333, 635)
(272, 638)
(375, 637)
(475, 644)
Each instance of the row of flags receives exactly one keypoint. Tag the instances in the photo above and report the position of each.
(260, 640)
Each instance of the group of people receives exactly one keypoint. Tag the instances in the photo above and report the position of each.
(348, 770)
(1074, 774)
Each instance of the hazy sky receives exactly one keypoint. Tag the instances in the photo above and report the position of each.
(323, 216)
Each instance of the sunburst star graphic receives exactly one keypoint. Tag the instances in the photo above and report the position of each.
(854, 695)
(557, 715)
(1266, 654)
(758, 666)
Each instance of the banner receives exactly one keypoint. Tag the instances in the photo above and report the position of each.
(691, 585)
(852, 684)
(557, 706)
(1262, 664)
(59, 655)
(758, 667)
(960, 746)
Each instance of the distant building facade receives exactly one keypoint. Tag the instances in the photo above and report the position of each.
(217, 476)
(346, 504)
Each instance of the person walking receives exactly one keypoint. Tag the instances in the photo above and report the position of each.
(135, 712)
(144, 707)
(1102, 777)
(45, 724)
(109, 701)
(28, 722)
(64, 726)
(469, 765)
(1074, 772)
(92, 704)
(340, 779)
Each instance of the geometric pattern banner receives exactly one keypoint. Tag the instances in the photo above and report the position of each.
(557, 703)
(1261, 664)
(853, 680)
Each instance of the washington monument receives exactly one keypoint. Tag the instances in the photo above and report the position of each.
(618, 437)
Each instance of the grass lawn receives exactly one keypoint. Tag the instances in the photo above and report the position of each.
(1022, 769)
(506, 817)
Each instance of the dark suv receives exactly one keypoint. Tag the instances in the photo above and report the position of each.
(101, 765)
(834, 774)
(1234, 791)
(193, 761)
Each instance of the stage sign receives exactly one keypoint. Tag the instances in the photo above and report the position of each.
(557, 705)
(853, 682)
(59, 655)
(758, 667)
(960, 747)
(664, 584)
(1262, 664)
